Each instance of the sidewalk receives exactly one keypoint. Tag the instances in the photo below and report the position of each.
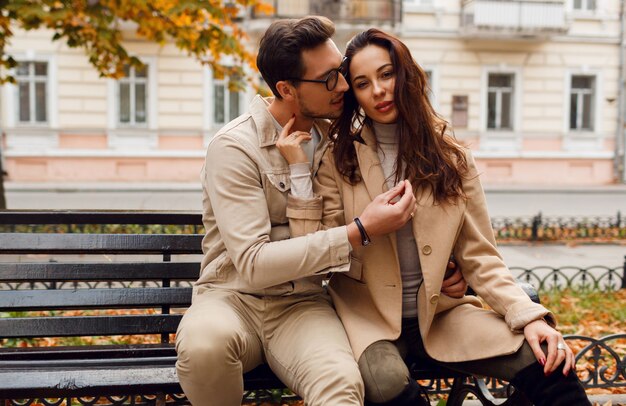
(613, 400)
(559, 255)
(502, 200)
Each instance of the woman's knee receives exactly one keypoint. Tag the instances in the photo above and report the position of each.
(384, 372)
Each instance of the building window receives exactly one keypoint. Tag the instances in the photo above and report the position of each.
(225, 102)
(133, 96)
(500, 101)
(585, 5)
(32, 89)
(582, 100)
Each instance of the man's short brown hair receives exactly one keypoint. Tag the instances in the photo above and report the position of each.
(280, 50)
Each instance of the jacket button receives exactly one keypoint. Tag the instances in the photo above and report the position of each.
(427, 250)
(281, 184)
(434, 299)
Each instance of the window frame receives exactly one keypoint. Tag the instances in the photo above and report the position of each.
(32, 79)
(585, 9)
(11, 103)
(113, 97)
(500, 103)
(133, 81)
(501, 139)
(583, 140)
(580, 93)
(210, 125)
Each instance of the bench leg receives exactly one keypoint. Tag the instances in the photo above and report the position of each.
(477, 387)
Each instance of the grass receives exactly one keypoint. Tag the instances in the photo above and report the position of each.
(589, 313)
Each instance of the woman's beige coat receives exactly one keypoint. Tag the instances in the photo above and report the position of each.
(368, 298)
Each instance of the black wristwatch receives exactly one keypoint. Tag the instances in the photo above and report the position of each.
(365, 239)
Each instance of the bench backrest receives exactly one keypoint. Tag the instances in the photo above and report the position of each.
(111, 278)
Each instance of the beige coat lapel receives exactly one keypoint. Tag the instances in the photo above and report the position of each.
(372, 172)
(369, 164)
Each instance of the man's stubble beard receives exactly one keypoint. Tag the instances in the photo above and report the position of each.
(306, 112)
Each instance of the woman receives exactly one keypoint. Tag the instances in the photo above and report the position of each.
(390, 301)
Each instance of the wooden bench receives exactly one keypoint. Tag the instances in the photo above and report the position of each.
(133, 285)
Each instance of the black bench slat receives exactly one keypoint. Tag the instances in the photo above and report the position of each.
(87, 363)
(100, 217)
(30, 243)
(70, 326)
(68, 299)
(55, 271)
(54, 382)
(87, 352)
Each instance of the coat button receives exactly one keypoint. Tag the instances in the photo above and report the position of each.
(282, 185)
(427, 250)
(434, 299)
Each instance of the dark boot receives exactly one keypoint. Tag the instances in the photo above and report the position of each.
(412, 395)
(552, 390)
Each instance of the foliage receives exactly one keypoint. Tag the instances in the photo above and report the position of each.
(589, 313)
(205, 29)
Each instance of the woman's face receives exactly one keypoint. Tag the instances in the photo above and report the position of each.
(373, 79)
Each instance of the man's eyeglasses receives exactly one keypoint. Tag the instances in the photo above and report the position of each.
(331, 80)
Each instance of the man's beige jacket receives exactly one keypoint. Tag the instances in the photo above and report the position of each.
(245, 184)
(368, 298)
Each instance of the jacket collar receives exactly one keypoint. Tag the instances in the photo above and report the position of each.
(372, 171)
(369, 163)
(266, 130)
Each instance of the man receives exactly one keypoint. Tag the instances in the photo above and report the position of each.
(259, 297)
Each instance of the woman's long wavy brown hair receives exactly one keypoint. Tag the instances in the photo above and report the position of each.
(430, 156)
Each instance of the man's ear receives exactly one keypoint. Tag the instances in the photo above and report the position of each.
(286, 90)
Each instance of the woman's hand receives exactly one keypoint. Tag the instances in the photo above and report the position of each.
(289, 143)
(454, 285)
(539, 331)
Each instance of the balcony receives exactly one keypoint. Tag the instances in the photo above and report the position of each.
(514, 18)
(386, 12)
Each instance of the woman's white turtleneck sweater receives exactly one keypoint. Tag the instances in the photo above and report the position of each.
(408, 256)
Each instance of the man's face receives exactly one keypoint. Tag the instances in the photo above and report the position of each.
(314, 100)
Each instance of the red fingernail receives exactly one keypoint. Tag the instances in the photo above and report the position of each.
(542, 361)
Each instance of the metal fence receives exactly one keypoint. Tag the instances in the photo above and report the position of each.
(524, 228)
(555, 228)
(598, 277)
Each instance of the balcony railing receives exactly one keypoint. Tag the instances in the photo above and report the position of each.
(347, 11)
(517, 18)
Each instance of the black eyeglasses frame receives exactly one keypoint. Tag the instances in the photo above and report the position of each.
(333, 76)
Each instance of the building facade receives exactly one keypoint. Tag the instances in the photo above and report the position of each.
(533, 87)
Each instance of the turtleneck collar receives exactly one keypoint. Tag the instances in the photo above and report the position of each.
(385, 133)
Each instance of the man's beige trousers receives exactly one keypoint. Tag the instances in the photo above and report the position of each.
(226, 333)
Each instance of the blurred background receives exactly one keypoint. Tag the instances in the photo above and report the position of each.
(535, 88)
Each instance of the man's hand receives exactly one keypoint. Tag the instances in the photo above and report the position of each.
(538, 332)
(382, 215)
(454, 285)
(289, 143)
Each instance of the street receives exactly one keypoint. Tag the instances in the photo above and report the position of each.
(507, 201)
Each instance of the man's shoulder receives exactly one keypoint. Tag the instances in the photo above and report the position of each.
(241, 130)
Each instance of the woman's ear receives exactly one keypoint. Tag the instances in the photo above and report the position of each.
(285, 89)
